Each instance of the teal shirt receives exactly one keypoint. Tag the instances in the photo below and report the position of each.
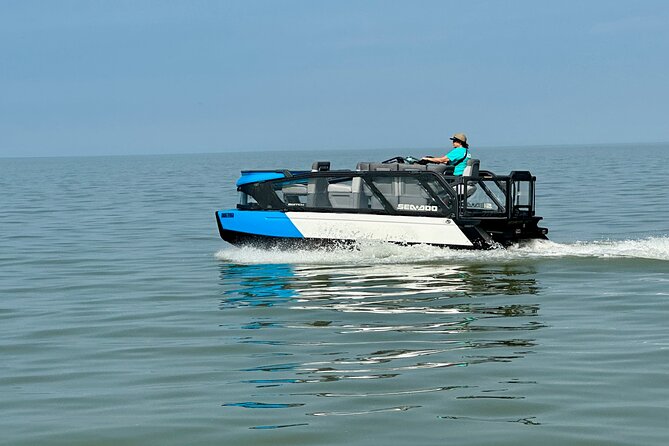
(455, 155)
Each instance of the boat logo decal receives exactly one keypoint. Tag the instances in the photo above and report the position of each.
(417, 207)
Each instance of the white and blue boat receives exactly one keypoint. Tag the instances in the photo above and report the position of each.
(397, 200)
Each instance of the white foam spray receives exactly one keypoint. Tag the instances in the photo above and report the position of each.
(366, 253)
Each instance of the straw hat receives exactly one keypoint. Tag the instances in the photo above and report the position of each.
(461, 137)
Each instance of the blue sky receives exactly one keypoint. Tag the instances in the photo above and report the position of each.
(101, 77)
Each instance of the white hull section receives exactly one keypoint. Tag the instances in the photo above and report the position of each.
(390, 228)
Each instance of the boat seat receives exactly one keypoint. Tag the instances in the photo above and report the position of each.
(320, 166)
(460, 189)
(471, 171)
(412, 167)
(378, 167)
(340, 188)
(411, 192)
(444, 169)
(317, 193)
(472, 168)
(292, 193)
(317, 188)
(385, 185)
(295, 189)
(397, 191)
(347, 195)
(440, 168)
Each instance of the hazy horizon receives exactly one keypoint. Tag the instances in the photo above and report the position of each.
(153, 77)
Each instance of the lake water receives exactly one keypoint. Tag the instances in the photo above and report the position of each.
(125, 320)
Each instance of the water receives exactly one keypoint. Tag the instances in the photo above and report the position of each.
(125, 320)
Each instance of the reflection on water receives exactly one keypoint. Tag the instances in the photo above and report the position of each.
(394, 333)
(529, 420)
(255, 285)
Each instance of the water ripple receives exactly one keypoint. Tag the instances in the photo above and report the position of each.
(363, 412)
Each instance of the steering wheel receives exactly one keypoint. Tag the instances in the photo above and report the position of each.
(406, 160)
(396, 159)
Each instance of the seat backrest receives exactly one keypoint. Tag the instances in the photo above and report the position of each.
(380, 167)
(412, 167)
(320, 166)
(472, 168)
(317, 193)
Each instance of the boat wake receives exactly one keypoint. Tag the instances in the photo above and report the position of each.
(365, 253)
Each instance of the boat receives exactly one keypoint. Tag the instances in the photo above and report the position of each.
(400, 200)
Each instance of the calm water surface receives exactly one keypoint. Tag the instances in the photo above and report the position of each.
(125, 320)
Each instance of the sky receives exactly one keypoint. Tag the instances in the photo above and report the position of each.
(104, 77)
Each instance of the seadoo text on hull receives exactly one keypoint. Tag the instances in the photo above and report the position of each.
(396, 201)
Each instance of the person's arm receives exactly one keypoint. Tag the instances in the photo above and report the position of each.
(439, 160)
